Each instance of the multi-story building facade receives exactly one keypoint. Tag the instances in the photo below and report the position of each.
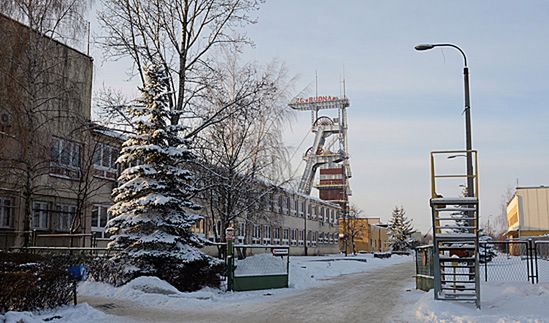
(528, 212)
(307, 224)
(45, 99)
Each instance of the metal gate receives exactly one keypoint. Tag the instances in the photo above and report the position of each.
(510, 260)
(541, 252)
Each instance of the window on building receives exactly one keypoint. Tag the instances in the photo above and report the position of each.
(288, 205)
(321, 214)
(257, 232)
(286, 234)
(276, 233)
(104, 160)
(197, 227)
(267, 229)
(65, 214)
(270, 201)
(276, 203)
(40, 215)
(65, 157)
(100, 217)
(6, 212)
(242, 229)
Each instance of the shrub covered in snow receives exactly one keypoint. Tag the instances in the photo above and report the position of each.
(31, 282)
(153, 212)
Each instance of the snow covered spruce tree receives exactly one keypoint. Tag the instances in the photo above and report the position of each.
(153, 212)
(400, 230)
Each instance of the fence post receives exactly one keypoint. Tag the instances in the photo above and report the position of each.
(536, 260)
(532, 261)
(485, 263)
(229, 235)
(417, 264)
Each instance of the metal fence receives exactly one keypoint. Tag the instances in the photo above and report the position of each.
(509, 260)
(541, 249)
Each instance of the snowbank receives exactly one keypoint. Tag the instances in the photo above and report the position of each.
(151, 285)
(78, 313)
(501, 302)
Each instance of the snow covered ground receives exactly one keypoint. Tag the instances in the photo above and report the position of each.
(78, 313)
(501, 302)
(305, 272)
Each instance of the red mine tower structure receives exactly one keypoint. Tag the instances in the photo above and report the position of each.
(329, 152)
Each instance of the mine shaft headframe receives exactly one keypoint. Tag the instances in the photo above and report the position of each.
(319, 103)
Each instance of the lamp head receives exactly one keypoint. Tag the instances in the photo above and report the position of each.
(424, 47)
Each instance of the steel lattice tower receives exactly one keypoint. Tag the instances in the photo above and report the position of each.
(329, 152)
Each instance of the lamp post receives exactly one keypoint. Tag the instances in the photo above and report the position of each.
(468, 140)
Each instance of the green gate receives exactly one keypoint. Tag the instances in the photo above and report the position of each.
(255, 267)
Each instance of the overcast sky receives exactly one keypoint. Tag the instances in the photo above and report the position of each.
(406, 103)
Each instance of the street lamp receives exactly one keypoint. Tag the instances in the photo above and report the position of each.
(468, 140)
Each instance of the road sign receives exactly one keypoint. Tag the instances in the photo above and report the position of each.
(279, 251)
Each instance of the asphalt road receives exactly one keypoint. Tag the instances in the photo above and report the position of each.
(364, 297)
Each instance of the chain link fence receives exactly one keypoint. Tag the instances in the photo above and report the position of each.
(542, 260)
(505, 260)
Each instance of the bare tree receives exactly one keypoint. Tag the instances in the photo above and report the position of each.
(356, 226)
(501, 221)
(242, 155)
(182, 35)
(92, 183)
(42, 96)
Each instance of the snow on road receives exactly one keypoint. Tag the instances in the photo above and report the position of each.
(366, 296)
(305, 272)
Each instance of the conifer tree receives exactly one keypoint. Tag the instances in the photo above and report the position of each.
(153, 212)
(400, 230)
